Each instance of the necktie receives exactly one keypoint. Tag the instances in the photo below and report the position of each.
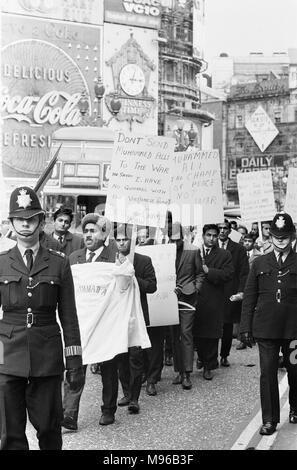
(248, 254)
(91, 256)
(280, 260)
(223, 245)
(60, 239)
(207, 251)
(29, 258)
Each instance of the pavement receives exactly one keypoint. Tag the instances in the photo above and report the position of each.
(221, 414)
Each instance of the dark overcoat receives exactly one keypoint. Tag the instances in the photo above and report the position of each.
(37, 351)
(269, 308)
(232, 310)
(71, 243)
(209, 320)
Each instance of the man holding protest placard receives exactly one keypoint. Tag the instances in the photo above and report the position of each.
(95, 229)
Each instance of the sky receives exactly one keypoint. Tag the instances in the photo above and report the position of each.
(242, 26)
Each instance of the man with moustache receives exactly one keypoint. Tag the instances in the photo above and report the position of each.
(34, 283)
(96, 229)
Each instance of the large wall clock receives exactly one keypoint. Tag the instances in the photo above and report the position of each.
(132, 79)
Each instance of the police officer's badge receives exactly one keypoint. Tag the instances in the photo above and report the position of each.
(280, 222)
(24, 199)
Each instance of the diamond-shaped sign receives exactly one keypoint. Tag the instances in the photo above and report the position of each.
(261, 128)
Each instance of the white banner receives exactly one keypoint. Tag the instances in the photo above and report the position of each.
(256, 197)
(138, 190)
(162, 304)
(196, 188)
(291, 196)
(110, 319)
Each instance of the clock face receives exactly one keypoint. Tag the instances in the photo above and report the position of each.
(132, 79)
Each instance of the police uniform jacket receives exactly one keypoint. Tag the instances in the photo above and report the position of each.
(29, 332)
(269, 308)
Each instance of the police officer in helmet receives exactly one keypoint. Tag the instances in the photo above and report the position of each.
(34, 283)
(269, 314)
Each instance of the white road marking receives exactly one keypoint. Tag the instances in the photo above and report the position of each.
(245, 437)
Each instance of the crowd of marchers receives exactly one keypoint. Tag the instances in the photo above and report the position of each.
(224, 288)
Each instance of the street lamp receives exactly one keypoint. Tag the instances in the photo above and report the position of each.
(99, 90)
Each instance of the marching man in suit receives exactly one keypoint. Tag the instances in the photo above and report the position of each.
(34, 282)
(69, 242)
(96, 229)
(189, 281)
(269, 314)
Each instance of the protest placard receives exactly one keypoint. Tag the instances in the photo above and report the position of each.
(163, 306)
(138, 190)
(196, 188)
(291, 196)
(256, 198)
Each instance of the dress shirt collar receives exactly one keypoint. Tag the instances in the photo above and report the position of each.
(34, 248)
(97, 253)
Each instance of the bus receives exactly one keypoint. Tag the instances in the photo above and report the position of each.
(81, 174)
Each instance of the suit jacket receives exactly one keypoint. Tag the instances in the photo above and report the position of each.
(71, 243)
(232, 310)
(37, 351)
(47, 241)
(209, 319)
(189, 273)
(107, 255)
(146, 278)
(269, 308)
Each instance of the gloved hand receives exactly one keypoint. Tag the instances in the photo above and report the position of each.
(247, 339)
(75, 378)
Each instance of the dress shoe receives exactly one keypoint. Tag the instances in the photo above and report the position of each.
(199, 364)
(293, 416)
(133, 407)
(124, 401)
(224, 362)
(69, 423)
(95, 368)
(240, 346)
(177, 380)
(106, 418)
(168, 361)
(186, 382)
(207, 374)
(267, 429)
(281, 362)
(151, 389)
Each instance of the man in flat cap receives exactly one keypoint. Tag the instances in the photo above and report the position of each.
(34, 283)
(269, 315)
(96, 229)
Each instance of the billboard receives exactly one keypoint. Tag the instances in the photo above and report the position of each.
(46, 65)
(143, 13)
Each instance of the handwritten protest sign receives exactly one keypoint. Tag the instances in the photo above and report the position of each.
(291, 196)
(256, 198)
(196, 188)
(163, 307)
(138, 190)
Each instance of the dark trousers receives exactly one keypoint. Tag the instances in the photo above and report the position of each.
(110, 385)
(182, 340)
(153, 357)
(131, 367)
(207, 350)
(41, 398)
(226, 339)
(269, 392)
(109, 376)
(71, 399)
(168, 342)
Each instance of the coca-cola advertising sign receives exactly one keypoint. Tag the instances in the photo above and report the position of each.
(35, 100)
(45, 67)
